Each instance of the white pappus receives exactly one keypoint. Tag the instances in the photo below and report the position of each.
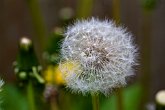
(102, 54)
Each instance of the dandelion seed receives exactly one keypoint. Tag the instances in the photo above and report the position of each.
(103, 56)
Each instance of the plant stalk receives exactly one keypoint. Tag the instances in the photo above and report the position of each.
(116, 10)
(84, 8)
(95, 101)
(120, 100)
(30, 96)
(53, 104)
(145, 80)
(40, 31)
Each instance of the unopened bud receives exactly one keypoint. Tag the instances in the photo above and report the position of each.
(25, 43)
(160, 100)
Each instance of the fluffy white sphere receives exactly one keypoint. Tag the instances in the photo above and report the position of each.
(100, 55)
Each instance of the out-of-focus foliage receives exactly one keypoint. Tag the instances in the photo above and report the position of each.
(13, 99)
(52, 50)
(131, 99)
(71, 101)
(149, 4)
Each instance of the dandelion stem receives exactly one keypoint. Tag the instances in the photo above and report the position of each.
(84, 8)
(95, 101)
(117, 16)
(145, 80)
(30, 96)
(116, 10)
(53, 104)
(120, 100)
(38, 21)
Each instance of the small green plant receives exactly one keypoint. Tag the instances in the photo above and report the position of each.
(28, 70)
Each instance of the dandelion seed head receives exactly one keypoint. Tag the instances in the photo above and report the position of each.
(103, 56)
(1, 84)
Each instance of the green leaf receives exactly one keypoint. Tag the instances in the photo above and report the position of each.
(132, 97)
(13, 99)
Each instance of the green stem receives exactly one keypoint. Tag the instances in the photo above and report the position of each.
(84, 8)
(38, 21)
(145, 80)
(53, 104)
(30, 96)
(95, 101)
(120, 100)
(116, 10)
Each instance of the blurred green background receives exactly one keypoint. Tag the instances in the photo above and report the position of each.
(40, 19)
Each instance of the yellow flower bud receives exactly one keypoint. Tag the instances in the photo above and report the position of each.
(53, 75)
